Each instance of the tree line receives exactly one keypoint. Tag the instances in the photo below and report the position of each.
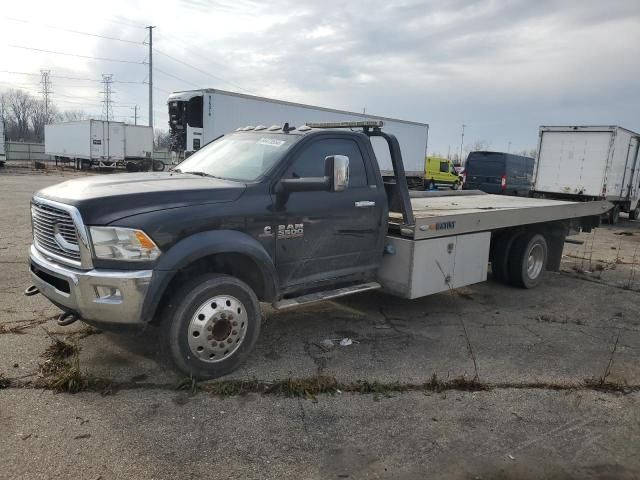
(24, 117)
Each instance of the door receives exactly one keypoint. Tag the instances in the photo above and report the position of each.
(323, 235)
(632, 171)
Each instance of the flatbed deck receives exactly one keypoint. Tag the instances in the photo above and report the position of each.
(441, 214)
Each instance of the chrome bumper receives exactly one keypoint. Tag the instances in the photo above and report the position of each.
(105, 296)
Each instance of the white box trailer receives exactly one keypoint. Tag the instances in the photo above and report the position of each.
(589, 163)
(197, 117)
(99, 142)
(3, 156)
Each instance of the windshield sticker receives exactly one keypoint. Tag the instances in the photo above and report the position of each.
(272, 142)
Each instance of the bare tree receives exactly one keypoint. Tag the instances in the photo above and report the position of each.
(19, 110)
(74, 115)
(41, 117)
(477, 146)
(162, 139)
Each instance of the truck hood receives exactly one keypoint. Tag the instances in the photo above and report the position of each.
(102, 199)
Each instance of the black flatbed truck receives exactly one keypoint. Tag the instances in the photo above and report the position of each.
(282, 215)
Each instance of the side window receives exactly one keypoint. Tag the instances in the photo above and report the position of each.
(310, 161)
(444, 167)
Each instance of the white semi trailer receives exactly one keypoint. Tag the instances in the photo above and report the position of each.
(100, 143)
(590, 163)
(197, 117)
(3, 156)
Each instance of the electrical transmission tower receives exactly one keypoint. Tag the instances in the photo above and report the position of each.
(107, 108)
(46, 92)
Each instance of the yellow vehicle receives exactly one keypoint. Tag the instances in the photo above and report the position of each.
(440, 171)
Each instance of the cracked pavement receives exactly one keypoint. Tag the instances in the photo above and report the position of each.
(562, 333)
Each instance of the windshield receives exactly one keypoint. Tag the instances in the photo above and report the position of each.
(485, 164)
(244, 157)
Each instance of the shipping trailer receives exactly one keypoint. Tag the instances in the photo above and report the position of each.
(590, 163)
(197, 117)
(3, 156)
(100, 143)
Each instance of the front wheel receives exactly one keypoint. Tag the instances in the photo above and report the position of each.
(213, 326)
(635, 213)
(456, 186)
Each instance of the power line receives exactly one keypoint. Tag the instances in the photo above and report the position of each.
(75, 55)
(200, 70)
(177, 78)
(66, 77)
(74, 31)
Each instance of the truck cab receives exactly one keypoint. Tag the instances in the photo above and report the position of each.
(440, 171)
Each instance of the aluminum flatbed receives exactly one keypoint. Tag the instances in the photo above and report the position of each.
(441, 214)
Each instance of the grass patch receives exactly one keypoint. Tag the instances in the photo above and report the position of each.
(61, 370)
(310, 387)
(21, 326)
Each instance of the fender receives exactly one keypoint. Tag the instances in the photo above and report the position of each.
(201, 245)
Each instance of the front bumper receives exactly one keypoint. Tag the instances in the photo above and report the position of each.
(101, 296)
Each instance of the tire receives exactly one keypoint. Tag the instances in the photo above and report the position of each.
(455, 186)
(217, 315)
(500, 256)
(431, 185)
(158, 166)
(635, 214)
(132, 167)
(528, 260)
(614, 215)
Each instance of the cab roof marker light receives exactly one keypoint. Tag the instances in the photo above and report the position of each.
(358, 124)
(239, 129)
(304, 128)
(260, 127)
(273, 128)
(247, 128)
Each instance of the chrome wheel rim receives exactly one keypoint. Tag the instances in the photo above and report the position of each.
(535, 260)
(217, 328)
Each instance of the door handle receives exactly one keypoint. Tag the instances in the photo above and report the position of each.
(365, 204)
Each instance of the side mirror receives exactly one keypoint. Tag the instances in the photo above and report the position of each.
(336, 167)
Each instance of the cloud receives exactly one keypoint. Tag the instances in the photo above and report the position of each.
(501, 67)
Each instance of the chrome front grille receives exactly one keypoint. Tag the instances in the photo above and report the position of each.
(54, 231)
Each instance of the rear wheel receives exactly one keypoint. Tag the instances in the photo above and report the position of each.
(456, 186)
(614, 215)
(158, 165)
(635, 214)
(431, 185)
(528, 260)
(213, 326)
(500, 256)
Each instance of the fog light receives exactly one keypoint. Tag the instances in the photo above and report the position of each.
(107, 293)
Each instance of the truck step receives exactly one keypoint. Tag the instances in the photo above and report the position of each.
(325, 295)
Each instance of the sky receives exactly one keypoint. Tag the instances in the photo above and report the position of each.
(501, 68)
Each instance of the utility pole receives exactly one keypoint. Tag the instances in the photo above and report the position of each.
(45, 81)
(107, 109)
(135, 114)
(150, 28)
(461, 144)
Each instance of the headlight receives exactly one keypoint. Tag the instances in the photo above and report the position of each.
(117, 243)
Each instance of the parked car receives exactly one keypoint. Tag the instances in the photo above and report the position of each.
(499, 173)
(440, 172)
